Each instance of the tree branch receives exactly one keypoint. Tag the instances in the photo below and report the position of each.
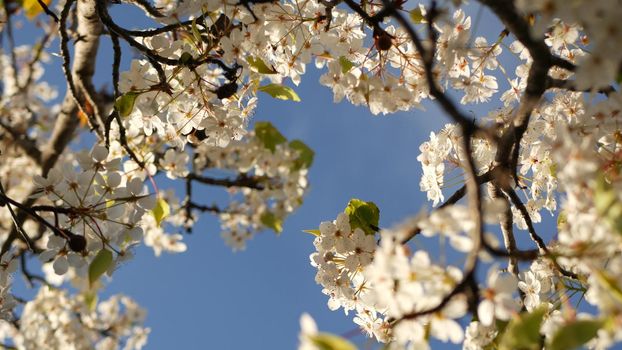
(570, 86)
(28, 145)
(85, 51)
(516, 201)
(242, 180)
(507, 231)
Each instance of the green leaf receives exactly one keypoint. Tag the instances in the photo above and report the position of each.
(363, 215)
(501, 327)
(562, 220)
(99, 265)
(610, 283)
(313, 232)
(305, 155)
(268, 135)
(553, 170)
(161, 210)
(32, 8)
(416, 15)
(196, 33)
(90, 300)
(575, 334)
(523, 331)
(346, 64)
(281, 92)
(327, 341)
(607, 204)
(125, 103)
(604, 196)
(260, 66)
(185, 58)
(616, 222)
(271, 221)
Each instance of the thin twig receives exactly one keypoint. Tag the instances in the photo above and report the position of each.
(507, 231)
(242, 180)
(18, 224)
(21, 139)
(516, 201)
(47, 10)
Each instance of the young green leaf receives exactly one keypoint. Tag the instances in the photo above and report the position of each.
(99, 265)
(281, 92)
(501, 327)
(268, 135)
(32, 8)
(271, 221)
(327, 341)
(604, 196)
(363, 215)
(185, 58)
(416, 15)
(260, 66)
(562, 220)
(90, 300)
(523, 331)
(553, 170)
(607, 204)
(575, 334)
(313, 232)
(305, 155)
(125, 103)
(609, 283)
(196, 33)
(346, 64)
(161, 210)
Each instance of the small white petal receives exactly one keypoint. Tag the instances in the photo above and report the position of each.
(485, 312)
(100, 153)
(307, 324)
(61, 265)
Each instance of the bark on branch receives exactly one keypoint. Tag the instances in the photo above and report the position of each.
(83, 67)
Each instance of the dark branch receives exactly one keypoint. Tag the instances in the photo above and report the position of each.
(570, 86)
(242, 180)
(28, 145)
(516, 201)
(47, 10)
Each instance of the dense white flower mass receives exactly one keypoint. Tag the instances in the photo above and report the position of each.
(53, 320)
(182, 113)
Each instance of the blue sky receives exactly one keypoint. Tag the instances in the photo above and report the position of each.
(210, 297)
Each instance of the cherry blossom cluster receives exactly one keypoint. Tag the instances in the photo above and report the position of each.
(402, 284)
(572, 146)
(389, 282)
(569, 153)
(600, 28)
(552, 140)
(24, 92)
(278, 171)
(189, 105)
(341, 256)
(386, 283)
(56, 320)
(99, 207)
